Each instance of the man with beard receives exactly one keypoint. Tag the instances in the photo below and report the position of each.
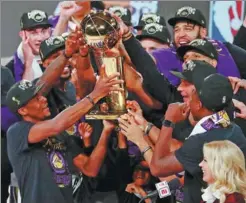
(35, 28)
(63, 92)
(191, 27)
(188, 24)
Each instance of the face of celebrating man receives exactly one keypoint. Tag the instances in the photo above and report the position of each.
(185, 32)
(186, 89)
(35, 37)
(36, 109)
(66, 72)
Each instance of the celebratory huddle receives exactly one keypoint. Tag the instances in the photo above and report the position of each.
(99, 108)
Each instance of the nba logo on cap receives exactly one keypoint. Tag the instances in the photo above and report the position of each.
(226, 17)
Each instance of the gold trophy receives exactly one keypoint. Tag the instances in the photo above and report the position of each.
(101, 32)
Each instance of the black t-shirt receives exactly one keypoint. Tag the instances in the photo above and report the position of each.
(191, 154)
(59, 100)
(43, 170)
(182, 130)
(239, 55)
(239, 39)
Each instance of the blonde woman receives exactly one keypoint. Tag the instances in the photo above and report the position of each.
(223, 169)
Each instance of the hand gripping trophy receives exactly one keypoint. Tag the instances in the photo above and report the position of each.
(101, 32)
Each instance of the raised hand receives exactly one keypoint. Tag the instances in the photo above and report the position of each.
(105, 84)
(134, 106)
(75, 43)
(27, 50)
(241, 107)
(68, 8)
(85, 131)
(131, 130)
(133, 188)
(124, 30)
(237, 83)
(177, 112)
(108, 125)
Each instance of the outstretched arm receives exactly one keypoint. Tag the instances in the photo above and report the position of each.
(69, 116)
(164, 162)
(91, 165)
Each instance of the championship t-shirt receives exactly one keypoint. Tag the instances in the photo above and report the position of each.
(43, 170)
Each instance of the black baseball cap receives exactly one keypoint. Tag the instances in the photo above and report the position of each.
(188, 13)
(155, 31)
(21, 93)
(34, 19)
(148, 18)
(201, 46)
(50, 46)
(195, 68)
(98, 5)
(123, 13)
(215, 92)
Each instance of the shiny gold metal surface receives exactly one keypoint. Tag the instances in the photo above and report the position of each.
(101, 33)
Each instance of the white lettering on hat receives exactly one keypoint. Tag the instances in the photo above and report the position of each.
(25, 84)
(36, 15)
(198, 42)
(16, 100)
(119, 11)
(185, 11)
(189, 65)
(150, 18)
(223, 99)
(153, 28)
(65, 35)
(57, 40)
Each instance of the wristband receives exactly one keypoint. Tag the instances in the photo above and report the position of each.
(145, 150)
(168, 124)
(90, 99)
(67, 57)
(148, 128)
(127, 36)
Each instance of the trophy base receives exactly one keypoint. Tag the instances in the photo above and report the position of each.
(103, 116)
